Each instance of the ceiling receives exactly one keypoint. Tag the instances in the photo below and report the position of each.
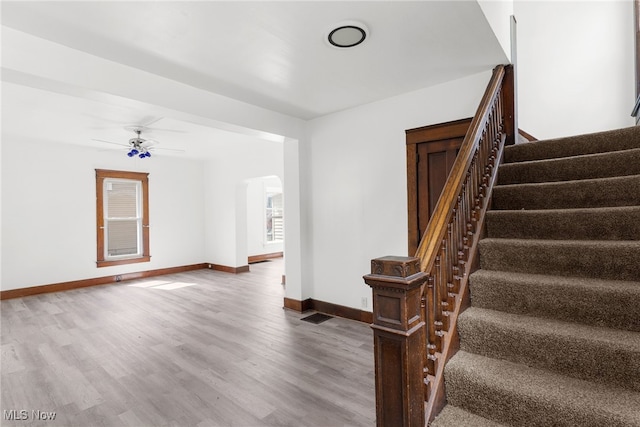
(270, 54)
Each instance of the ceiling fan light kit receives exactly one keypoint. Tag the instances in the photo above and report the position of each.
(137, 149)
(137, 146)
(142, 153)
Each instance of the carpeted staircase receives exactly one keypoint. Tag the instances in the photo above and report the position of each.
(552, 337)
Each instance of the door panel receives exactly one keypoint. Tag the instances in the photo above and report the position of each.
(434, 164)
(431, 153)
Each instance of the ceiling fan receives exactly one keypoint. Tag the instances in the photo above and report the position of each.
(138, 146)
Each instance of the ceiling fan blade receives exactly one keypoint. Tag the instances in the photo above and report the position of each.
(167, 149)
(143, 124)
(110, 142)
(164, 130)
(146, 129)
(147, 121)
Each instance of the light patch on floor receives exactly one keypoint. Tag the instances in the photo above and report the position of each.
(162, 284)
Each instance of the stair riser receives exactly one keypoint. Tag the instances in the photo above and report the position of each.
(583, 224)
(616, 308)
(572, 168)
(544, 348)
(607, 192)
(614, 260)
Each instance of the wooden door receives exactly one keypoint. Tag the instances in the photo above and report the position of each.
(431, 152)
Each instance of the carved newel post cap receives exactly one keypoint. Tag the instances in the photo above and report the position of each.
(395, 266)
(396, 272)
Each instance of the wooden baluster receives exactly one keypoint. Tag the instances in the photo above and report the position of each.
(483, 159)
(483, 144)
(461, 221)
(397, 285)
(496, 139)
(482, 190)
(455, 250)
(472, 198)
(430, 297)
(425, 331)
(496, 122)
(479, 172)
(469, 213)
(475, 188)
(462, 232)
(444, 285)
(451, 267)
(500, 116)
(496, 142)
(486, 165)
(437, 306)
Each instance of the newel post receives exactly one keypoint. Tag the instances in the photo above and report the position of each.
(510, 108)
(399, 340)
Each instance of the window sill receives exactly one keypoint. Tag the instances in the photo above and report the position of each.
(145, 258)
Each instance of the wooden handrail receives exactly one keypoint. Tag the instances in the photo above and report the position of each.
(437, 224)
(447, 251)
(405, 334)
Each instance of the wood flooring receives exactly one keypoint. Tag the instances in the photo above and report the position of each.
(201, 348)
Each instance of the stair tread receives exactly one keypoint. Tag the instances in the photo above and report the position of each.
(617, 222)
(564, 242)
(627, 340)
(523, 395)
(453, 416)
(631, 245)
(559, 297)
(592, 353)
(585, 166)
(604, 259)
(564, 281)
(570, 183)
(567, 210)
(584, 193)
(597, 142)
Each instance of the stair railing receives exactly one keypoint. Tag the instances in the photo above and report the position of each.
(416, 300)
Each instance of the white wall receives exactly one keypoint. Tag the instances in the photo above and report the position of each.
(357, 185)
(226, 198)
(575, 66)
(297, 252)
(49, 211)
(498, 14)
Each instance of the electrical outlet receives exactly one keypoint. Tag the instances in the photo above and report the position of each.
(364, 302)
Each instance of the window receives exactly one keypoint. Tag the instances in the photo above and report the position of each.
(275, 222)
(122, 214)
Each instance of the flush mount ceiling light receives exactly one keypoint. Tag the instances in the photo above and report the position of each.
(347, 34)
